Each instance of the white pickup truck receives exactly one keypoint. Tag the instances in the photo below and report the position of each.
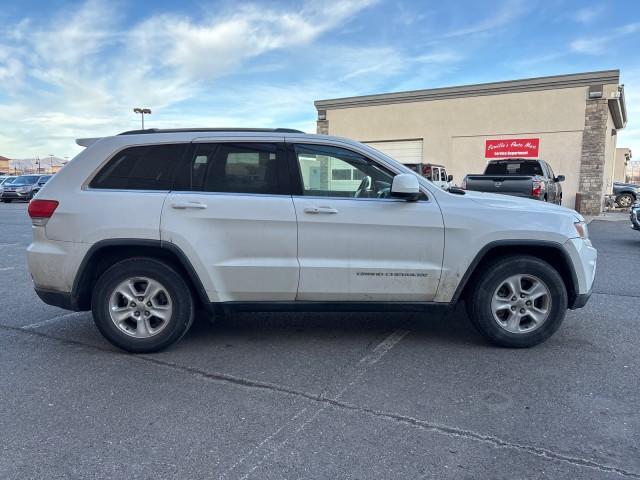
(145, 226)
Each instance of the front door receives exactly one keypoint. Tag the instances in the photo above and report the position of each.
(355, 242)
(234, 219)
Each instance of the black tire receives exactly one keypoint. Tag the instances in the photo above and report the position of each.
(625, 200)
(182, 306)
(489, 280)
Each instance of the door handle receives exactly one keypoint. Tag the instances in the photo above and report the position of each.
(184, 205)
(320, 210)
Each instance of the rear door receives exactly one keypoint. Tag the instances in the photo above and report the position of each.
(355, 242)
(231, 215)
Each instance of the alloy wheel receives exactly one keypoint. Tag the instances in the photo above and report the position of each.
(140, 307)
(521, 303)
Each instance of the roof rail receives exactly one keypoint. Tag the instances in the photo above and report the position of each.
(180, 130)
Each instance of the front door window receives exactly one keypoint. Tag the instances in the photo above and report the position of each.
(336, 172)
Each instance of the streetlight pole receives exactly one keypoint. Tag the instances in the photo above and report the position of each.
(142, 112)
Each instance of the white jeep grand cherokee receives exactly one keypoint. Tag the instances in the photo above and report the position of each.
(143, 227)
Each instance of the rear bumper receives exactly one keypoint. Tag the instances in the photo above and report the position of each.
(57, 299)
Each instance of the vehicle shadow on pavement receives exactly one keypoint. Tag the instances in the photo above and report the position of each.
(430, 327)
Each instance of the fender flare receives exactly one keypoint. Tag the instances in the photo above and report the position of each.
(572, 290)
(82, 275)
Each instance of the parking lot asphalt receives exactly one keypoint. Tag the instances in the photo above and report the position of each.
(273, 396)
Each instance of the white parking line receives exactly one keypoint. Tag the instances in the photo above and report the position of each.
(306, 415)
(51, 320)
(7, 268)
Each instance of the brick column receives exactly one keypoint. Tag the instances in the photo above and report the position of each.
(322, 124)
(592, 158)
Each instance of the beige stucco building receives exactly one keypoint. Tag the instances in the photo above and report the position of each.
(622, 160)
(572, 120)
(4, 165)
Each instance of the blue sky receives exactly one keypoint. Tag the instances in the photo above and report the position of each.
(76, 69)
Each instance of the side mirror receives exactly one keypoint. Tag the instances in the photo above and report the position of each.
(405, 185)
(559, 178)
(450, 178)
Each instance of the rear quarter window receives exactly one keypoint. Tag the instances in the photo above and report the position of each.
(149, 167)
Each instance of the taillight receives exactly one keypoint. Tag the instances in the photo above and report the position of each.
(536, 189)
(463, 184)
(40, 211)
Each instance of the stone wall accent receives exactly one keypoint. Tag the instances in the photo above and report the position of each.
(590, 189)
(322, 124)
(322, 127)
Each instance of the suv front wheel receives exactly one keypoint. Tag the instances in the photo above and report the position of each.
(142, 305)
(519, 301)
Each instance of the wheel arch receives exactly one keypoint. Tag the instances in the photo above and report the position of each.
(627, 192)
(551, 252)
(105, 253)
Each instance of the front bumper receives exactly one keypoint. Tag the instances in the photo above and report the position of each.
(15, 195)
(583, 257)
(580, 300)
(634, 216)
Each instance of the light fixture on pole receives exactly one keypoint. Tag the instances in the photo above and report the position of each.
(142, 111)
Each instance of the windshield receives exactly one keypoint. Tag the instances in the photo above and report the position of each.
(511, 167)
(26, 180)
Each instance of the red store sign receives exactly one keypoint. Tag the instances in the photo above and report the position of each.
(512, 148)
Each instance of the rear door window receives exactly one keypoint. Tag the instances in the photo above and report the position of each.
(149, 167)
(236, 168)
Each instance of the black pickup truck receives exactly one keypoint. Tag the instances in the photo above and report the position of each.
(520, 177)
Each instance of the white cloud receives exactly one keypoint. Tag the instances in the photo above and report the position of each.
(587, 14)
(80, 72)
(591, 46)
(599, 45)
(507, 12)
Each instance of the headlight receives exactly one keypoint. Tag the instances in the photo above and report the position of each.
(583, 231)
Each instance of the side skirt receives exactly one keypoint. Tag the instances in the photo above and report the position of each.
(307, 306)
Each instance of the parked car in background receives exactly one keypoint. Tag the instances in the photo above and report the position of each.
(6, 179)
(625, 193)
(23, 187)
(232, 220)
(431, 171)
(518, 177)
(634, 215)
(437, 174)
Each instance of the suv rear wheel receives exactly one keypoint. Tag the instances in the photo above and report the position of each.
(519, 301)
(142, 305)
(625, 200)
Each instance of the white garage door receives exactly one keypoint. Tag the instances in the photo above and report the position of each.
(405, 151)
